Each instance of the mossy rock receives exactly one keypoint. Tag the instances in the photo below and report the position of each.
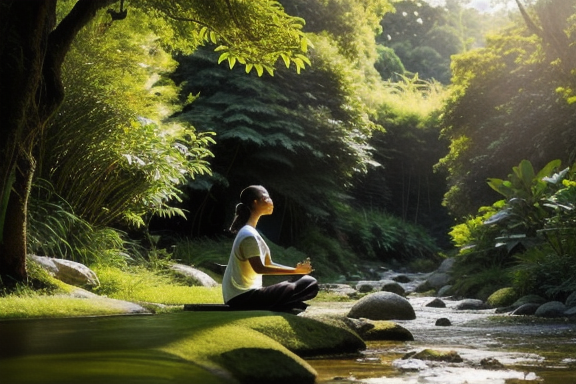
(265, 366)
(435, 355)
(503, 297)
(387, 330)
(198, 347)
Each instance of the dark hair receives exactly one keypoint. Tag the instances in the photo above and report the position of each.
(243, 209)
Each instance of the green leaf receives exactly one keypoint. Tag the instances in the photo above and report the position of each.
(232, 61)
(259, 69)
(223, 57)
(304, 44)
(549, 168)
(213, 37)
(286, 60)
(304, 59)
(501, 186)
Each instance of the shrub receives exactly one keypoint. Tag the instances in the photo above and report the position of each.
(502, 297)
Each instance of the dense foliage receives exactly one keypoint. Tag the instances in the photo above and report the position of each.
(256, 34)
(507, 105)
(525, 240)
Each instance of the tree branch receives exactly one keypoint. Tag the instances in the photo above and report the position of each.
(62, 37)
(59, 43)
(528, 20)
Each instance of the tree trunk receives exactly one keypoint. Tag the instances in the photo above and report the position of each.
(32, 51)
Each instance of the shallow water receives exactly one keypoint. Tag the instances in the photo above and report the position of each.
(531, 351)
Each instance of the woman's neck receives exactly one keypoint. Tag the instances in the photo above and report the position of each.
(253, 220)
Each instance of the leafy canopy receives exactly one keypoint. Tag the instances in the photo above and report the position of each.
(256, 34)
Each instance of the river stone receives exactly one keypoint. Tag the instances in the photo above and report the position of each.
(383, 306)
(365, 286)
(392, 286)
(571, 300)
(471, 304)
(444, 291)
(491, 363)
(527, 309)
(436, 303)
(387, 330)
(401, 279)
(551, 309)
(68, 271)
(435, 355)
(198, 277)
(529, 299)
(443, 322)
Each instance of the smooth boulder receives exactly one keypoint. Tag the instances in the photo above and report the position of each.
(197, 276)
(68, 271)
(551, 309)
(383, 306)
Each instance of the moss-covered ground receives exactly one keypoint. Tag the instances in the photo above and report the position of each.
(53, 336)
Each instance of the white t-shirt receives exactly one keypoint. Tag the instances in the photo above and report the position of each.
(239, 276)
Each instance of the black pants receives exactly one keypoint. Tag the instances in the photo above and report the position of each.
(278, 297)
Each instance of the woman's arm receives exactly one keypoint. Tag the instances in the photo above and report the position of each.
(271, 268)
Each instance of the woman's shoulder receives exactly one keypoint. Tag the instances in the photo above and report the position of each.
(247, 231)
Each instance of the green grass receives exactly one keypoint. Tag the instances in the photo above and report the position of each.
(136, 284)
(42, 306)
(142, 285)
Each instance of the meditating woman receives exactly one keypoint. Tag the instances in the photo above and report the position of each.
(250, 259)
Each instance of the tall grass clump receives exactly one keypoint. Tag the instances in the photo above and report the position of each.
(413, 96)
(55, 230)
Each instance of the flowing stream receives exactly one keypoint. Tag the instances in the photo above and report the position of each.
(530, 350)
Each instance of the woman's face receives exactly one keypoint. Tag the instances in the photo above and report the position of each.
(264, 205)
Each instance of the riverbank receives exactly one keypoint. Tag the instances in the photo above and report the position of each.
(494, 348)
(194, 347)
(209, 348)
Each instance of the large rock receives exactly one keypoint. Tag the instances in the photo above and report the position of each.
(439, 278)
(382, 306)
(532, 299)
(471, 304)
(68, 271)
(527, 309)
(366, 286)
(551, 309)
(197, 276)
(392, 286)
(436, 303)
(571, 300)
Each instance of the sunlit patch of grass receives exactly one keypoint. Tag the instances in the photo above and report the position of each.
(142, 285)
(332, 297)
(39, 306)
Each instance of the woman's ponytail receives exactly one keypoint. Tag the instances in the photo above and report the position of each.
(243, 209)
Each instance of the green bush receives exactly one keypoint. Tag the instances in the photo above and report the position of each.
(526, 240)
(543, 272)
(503, 297)
(386, 238)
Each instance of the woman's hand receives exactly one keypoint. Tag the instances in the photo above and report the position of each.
(304, 267)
